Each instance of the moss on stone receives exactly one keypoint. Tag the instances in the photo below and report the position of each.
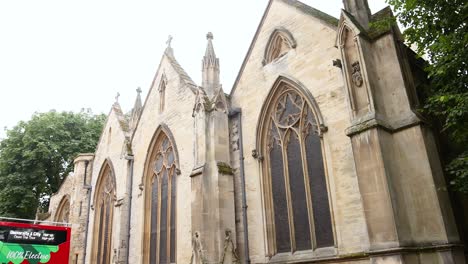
(381, 23)
(208, 105)
(224, 168)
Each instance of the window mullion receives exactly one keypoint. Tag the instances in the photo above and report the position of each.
(168, 215)
(302, 133)
(270, 204)
(288, 190)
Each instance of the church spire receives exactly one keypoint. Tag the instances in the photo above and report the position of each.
(210, 68)
(360, 10)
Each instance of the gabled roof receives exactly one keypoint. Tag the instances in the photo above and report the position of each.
(308, 10)
(332, 21)
(123, 122)
(121, 119)
(182, 73)
(185, 78)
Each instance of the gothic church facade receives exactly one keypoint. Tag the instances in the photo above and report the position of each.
(316, 156)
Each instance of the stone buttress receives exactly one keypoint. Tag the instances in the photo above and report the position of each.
(408, 214)
(213, 212)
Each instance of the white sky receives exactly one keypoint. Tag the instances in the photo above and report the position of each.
(68, 55)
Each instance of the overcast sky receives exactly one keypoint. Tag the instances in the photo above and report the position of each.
(68, 55)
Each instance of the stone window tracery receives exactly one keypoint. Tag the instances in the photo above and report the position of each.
(103, 219)
(161, 201)
(298, 208)
(280, 42)
(63, 212)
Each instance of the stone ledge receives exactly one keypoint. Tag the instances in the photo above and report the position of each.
(197, 171)
(374, 122)
(224, 168)
(365, 254)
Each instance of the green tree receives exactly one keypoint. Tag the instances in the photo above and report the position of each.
(36, 155)
(439, 30)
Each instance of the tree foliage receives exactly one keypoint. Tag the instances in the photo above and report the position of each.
(37, 155)
(439, 30)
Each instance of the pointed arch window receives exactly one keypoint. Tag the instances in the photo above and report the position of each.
(280, 42)
(63, 211)
(160, 221)
(103, 217)
(296, 190)
(162, 93)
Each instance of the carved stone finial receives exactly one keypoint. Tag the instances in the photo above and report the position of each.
(117, 97)
(169, 40)
(138, 90)
(209, 35)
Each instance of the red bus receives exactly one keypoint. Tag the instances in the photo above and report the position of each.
(22, 243)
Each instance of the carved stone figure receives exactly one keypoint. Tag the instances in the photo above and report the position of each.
(356, 74)
(197, 250)
(229, 249)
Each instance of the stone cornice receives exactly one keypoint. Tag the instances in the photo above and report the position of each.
(375, 122)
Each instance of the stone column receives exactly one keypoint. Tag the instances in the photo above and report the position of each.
(79, 206)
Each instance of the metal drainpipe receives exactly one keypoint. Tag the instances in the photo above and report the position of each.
(130, 159)
(89, 188)
(238, 112)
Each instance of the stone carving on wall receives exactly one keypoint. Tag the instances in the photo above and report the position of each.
(127, 147)
(235, 136)
(256, 155)
(229, 252)
(219, 101)
(201, 101)
(197, 250)
(356, 74)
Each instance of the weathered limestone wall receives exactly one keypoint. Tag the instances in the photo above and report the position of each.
(110, 149)
(65, 191)
(400, 178)
(235, 164)
(79, 206)
(310, 63)
(386, 185)
(74, 190)
(177, 116)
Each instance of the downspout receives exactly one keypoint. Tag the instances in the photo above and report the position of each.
(130, 159)
(238, 112)
(89, 188)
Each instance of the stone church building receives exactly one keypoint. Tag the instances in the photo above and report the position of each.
(317, 155)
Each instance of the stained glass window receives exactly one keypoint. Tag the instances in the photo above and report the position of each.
(103, 217)
(300, 214)
(163, 203)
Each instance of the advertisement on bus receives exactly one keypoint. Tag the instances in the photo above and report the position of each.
(22, 243)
